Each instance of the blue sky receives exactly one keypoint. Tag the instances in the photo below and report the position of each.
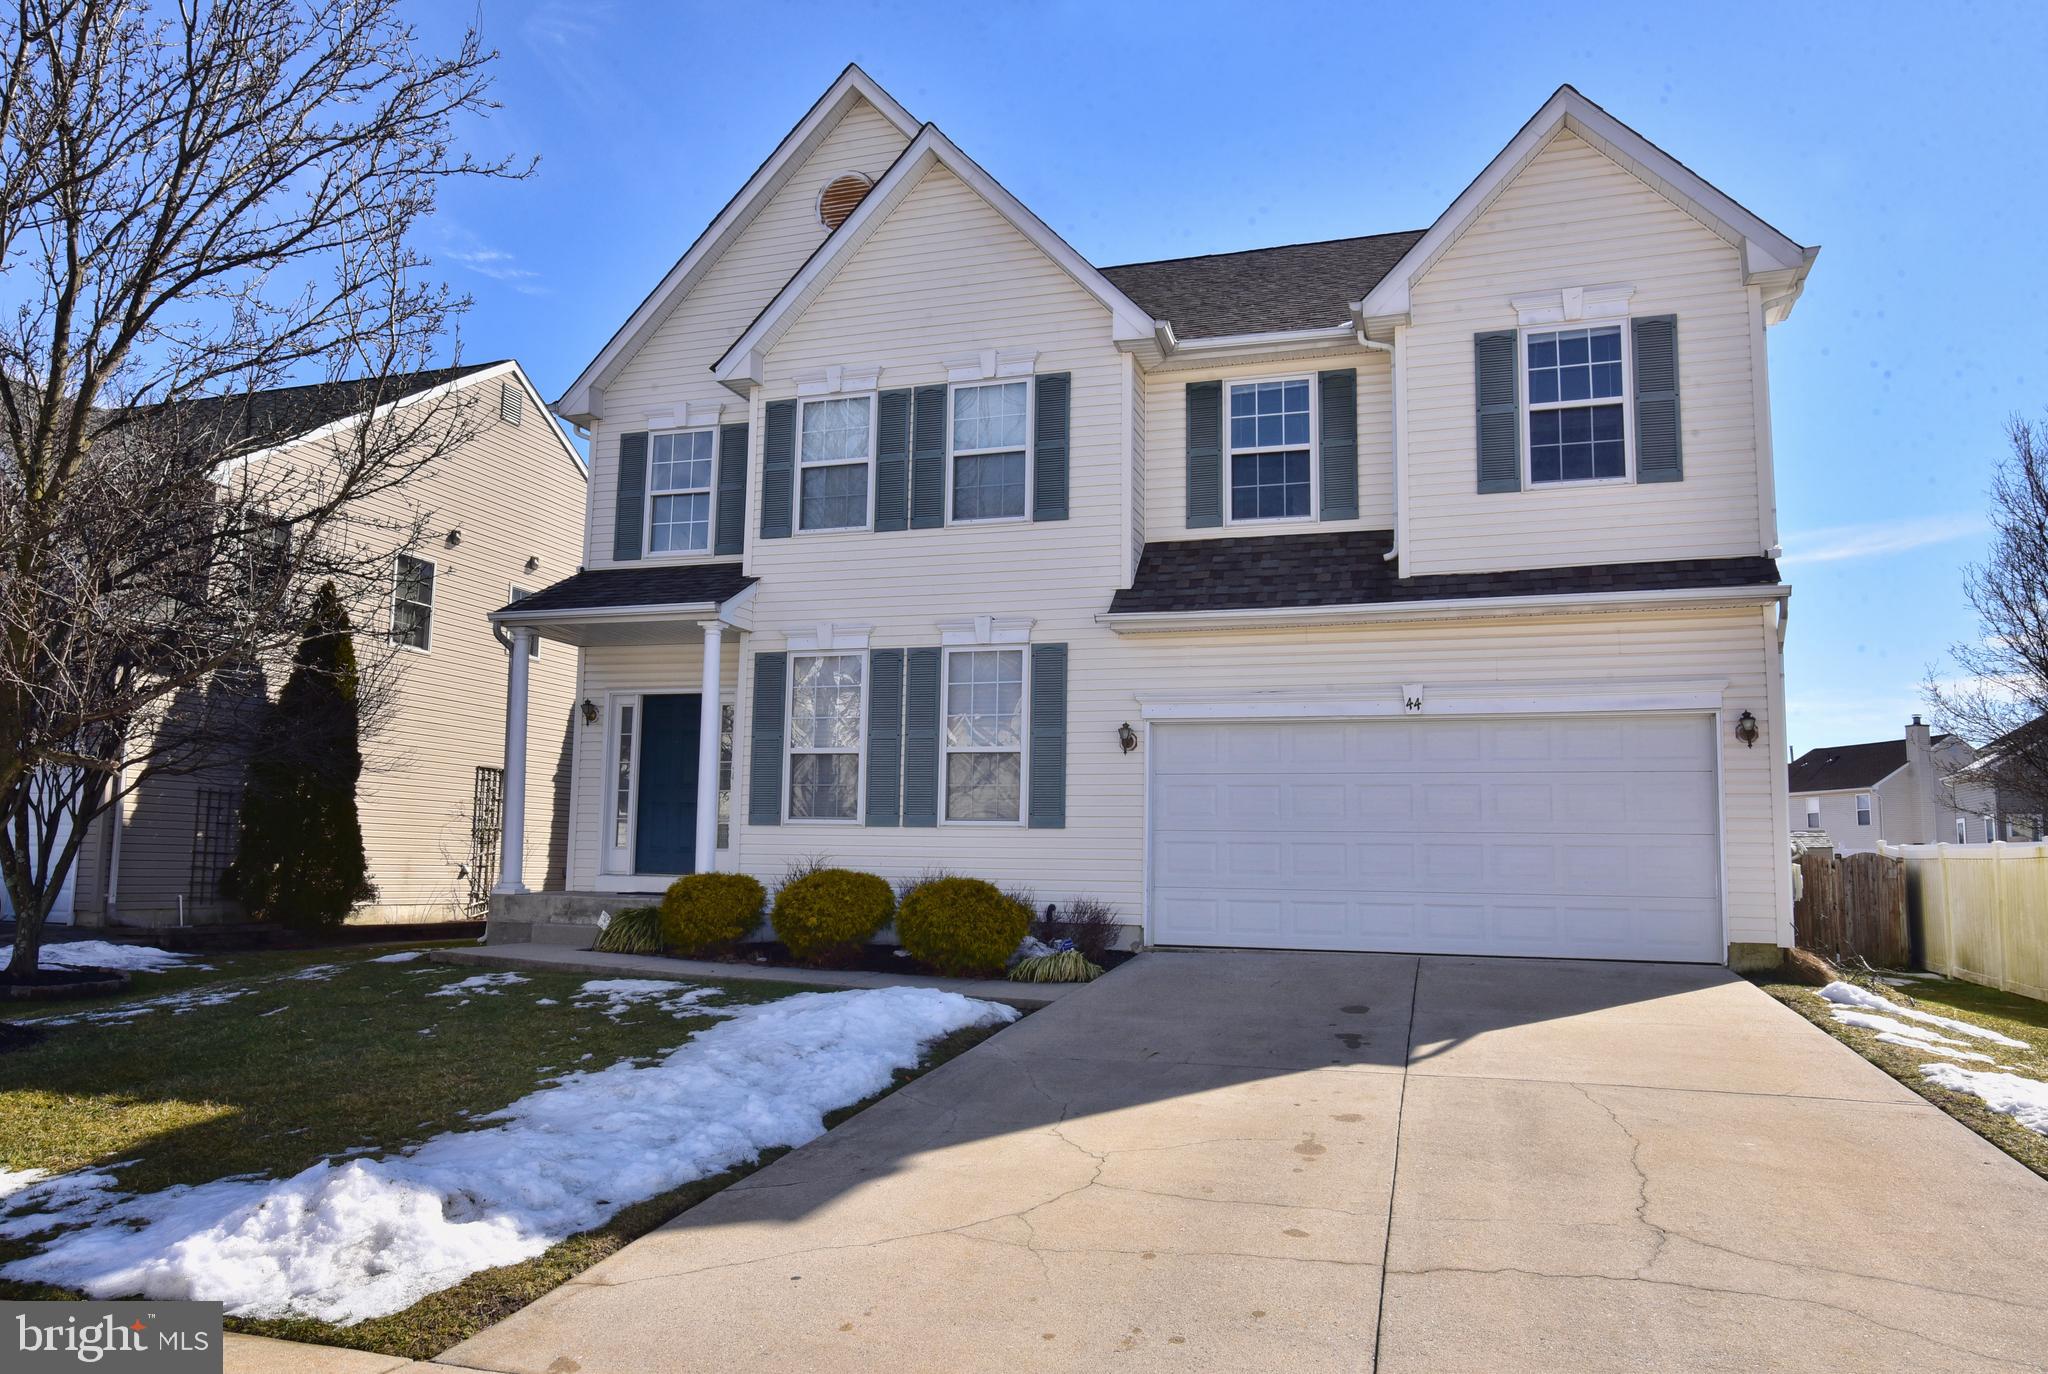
(1907, 140)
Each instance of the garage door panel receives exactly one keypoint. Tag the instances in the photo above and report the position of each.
(1586, 838)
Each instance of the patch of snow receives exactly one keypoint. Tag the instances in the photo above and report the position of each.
(546, 1002)
(620, 995)
(1849, 995)
(312, 973)
(404, 956)
(2025, 1100)
(176, 1003)
(105, 954)
(492, 983)
(343, 1242)
(274, 1011)
(13, 1181)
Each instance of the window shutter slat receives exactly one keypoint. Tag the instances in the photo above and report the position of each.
(1338, 411)
(921, 738)
(885, 737)
(1049, 462)
(1205, 455)
(732, 490)
(928, 459)
(764, 754)
(629, 511)
(1048, 809)
(778, 468)
(1499, 415)
(1658, 456)
(892, 462)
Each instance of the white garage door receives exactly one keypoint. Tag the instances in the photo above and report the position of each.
(1591, 837)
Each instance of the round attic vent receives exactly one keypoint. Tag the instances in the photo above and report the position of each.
(839, 198)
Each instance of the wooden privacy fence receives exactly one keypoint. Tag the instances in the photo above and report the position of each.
(1853, 907)
(1981, 911)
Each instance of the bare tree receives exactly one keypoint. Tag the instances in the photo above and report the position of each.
(2002, 697)
(198, 202)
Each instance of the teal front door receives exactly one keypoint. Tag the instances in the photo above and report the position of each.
(665, 837)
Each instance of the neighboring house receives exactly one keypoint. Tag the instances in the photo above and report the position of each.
(1408, 592)
(505, 510)
(2008, 764)
(1913, 790)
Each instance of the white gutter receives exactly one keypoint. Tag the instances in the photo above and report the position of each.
(1459, 608)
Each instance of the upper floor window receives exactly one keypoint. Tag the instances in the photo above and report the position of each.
(825, 710)
(836, 451)
(1576, 407)
(1813, 813)
(984, 735)
(679, 471)
(1271, 437)
(1863, 808)
(1962, 830)
(412, 603)
(990, 428)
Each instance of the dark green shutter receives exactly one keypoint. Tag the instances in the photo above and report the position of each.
(778, 468)
(764, 755)
(928, 459)
(1656, 362)
(1049, 423)
(1500, 419)
(885, 736)
(1337, 407)
(892, 462)
(732, 489)
(921, 737)
(629, 512)
(1048, 809)
(1205, 454)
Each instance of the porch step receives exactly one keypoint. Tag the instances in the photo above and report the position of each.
(564, 934)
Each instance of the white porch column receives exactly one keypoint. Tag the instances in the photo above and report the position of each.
(707, 749)
(512, 835)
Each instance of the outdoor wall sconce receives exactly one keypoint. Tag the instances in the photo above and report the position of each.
(454, 538)
(1745, 728)
(1127, 737)
(589, 711)
(533, 563)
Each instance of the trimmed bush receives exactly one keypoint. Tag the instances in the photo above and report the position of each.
(702, 911)
(963, 927)
(830, 912)
(633, 930)
(1090, 924)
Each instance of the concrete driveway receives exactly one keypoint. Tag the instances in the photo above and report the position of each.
(1348, 1162)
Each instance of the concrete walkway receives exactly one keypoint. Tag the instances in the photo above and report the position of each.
(1315, 1162)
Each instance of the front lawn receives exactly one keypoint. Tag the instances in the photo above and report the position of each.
(237, 1081)
(2001, 1014)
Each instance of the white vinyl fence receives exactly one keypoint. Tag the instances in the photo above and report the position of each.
(1982, 911)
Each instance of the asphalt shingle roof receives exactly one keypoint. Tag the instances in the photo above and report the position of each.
(1350, 568)
(1296, 286)
(271, 417)
(1838, 766)
(672, 585)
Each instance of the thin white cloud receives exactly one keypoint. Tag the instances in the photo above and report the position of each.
(499, 266)
(1841, 543)
(566, 36)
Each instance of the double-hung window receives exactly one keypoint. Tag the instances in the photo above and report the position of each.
(1813, 813)
(991, 425)
(1863, 808)
(824, 736)
(412, 603)
(1271, 437)
(984, 736)
(1576, 411)
(679, 472)
(835, 451)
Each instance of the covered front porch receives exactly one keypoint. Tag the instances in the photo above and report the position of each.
(651, 762)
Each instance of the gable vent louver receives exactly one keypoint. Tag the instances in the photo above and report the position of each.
(839, 198)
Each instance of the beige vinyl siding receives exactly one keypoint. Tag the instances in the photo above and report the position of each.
(1136, 382)
(674, 367)
(1572, 217)
(1166, 447)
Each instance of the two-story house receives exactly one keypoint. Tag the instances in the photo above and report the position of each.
(1411, 592)
(1918, 789)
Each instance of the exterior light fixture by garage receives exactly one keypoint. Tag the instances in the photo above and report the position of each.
(589, 711)
(1127, 737)
(1745, 728)
(454, 538)
(533, 563)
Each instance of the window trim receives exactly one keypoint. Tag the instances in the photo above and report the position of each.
(1866, 808)
(790, 751)
(1314, 446)
(433, 592)
(613, 864)
(1962, 829)
(1030, 458)
(796, 491)
(1023, 749)
(1813, 813)
(709, 491)
(1529, 407)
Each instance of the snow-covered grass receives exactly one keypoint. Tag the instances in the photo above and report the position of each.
(480, 984)
(2025, 1100)
(1849, 995)
(106, 954)
(404, 956)
(616, 996)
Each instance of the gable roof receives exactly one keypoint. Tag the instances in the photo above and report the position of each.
(1841, 766)
(584, 400)
(1769, 258)
(1263, 290)
(740, 365)
(265, 419)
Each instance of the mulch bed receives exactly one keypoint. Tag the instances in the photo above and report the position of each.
(871, 959)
